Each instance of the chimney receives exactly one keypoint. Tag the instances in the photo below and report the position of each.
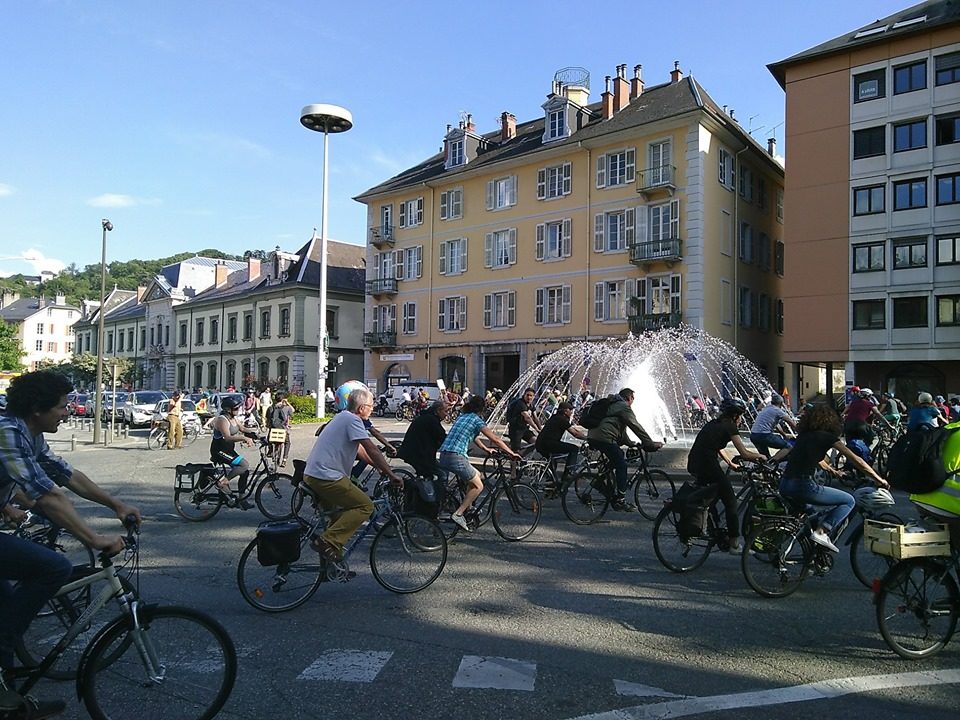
(470, 127)
(60, 299)
(141, 289)
(446, 143)
(676, 75)
(772, 147)
(220, 274)
(253, 268)
(636, 85)
(606, 101)
(508, 126)
(621, 89)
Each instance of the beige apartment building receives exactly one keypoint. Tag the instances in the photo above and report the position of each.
(647, 209)
(873, 199)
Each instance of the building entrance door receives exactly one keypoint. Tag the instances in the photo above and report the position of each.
(501, 371)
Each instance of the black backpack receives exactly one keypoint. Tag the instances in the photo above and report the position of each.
(915, 463)
(275, 417)
(594, 412)
(514, 411)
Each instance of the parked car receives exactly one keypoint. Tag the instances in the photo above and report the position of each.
(394, 394)
(77, 404)
(106, 404)
(213, 402)
(188, 411)
(138, 409)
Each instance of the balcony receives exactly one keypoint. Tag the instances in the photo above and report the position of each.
(382, 237)
(647, 253)
(380, 339)
(656, 180)
(652, 321)
(382, 286)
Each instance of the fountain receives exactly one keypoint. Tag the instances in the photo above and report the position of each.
(660, 366)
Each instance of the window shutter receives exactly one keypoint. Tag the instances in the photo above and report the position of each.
(419, 211)
(463, 255)
(538, 312)
(541, 183)
(675, 297)
(443, 258)
(419, 260)
(511, 308)
(629, 222)
(631, 165)
(567, 178)
(463, 313)
(675, 219)
(601, 172)
(541, 229)
(393, 318)
(598, 290)
(598, 224)
(398, 264)
(490, 194)
(488, 250)
(629, 293)
(642, 216)
(442, 314)
(565, 303)
(403, 214)
(512, 246)
(444, 205)
(640, 292)
(512, 190)
(487, 310)
(566, 241)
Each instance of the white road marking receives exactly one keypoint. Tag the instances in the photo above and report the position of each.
(636, 690)
(360, 666)
(496, 673)
(822, 690)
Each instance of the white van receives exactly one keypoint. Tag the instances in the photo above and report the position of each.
(394, 393)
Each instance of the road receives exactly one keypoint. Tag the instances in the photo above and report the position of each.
(574, 622)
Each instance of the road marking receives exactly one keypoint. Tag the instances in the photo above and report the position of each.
(495, 673)
(636, 690)
(360, 666)
(822, 690)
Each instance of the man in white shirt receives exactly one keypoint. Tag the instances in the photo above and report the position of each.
(263, 404)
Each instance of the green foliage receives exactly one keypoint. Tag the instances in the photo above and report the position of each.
(11, 353)
(305, 409)
(82, 370)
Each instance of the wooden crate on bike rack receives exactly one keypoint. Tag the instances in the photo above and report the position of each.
(902, 541)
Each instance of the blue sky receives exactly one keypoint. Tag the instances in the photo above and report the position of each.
(179, 121)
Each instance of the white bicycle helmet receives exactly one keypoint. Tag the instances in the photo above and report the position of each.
(866, 392)
(873, 499)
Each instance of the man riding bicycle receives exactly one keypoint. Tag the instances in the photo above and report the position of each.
(763, 432)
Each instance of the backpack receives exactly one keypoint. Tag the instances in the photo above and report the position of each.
(514, 411)
(594, 412)
(275, 417)
(915, 463)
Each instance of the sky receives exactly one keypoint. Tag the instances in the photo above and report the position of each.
(180, 121)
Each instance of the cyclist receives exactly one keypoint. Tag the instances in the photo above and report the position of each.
(423, 439)
(37, 404)
(453, 453)
(819, 431)
(890, 408)
(610, 434)
(925, 413)
(522, 424)
(227, 432)
(856, 418)
(703, 462)
(943, 504)
(550, 439)
(327, 472)
(763, 433)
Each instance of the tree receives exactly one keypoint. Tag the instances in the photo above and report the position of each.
(11, 354)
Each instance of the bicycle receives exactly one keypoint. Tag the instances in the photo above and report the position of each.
(157, 438)
(150, 661)
(197, 497)
(587, 496)
(407, 554)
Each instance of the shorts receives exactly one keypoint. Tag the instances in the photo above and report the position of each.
(222, 456)
(459, 465)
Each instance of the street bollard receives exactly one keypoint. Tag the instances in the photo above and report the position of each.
(73, 443)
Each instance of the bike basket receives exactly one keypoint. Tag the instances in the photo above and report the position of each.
(278, 542)
(903, 541)
(188, 475)
(277, 435)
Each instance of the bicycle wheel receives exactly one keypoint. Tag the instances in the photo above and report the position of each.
(273, 496)
(199, 504)
(776, 559)
(278, 588)
(407, 557)
(179, 664)
(650, 491)
(157, 438)
(868, 566)
(675, 552)
(516, 511)
(190, 433)
(583, 499)
(917, 607)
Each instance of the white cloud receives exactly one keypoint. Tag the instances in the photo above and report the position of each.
(37, 260)
(117, 200)
(6, 190)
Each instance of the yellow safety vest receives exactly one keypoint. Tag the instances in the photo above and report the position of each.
(947, 497)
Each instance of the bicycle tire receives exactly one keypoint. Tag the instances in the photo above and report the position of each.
(515, 510)
(917, 607)
(776, 558)
(273, 496)
(867, 566)
(676, 553)
(583, 499)
(193, 652)
(650, 491)
(198, 504)
(157, 439)
(408, 556)
(279, 588)
(190, 433)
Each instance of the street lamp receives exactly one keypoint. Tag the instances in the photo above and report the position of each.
(107, 227)
(326, 119)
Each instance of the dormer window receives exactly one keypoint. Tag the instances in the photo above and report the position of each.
(455, 153)
(557, 123)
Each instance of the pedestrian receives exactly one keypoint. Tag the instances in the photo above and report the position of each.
(263, 405)
(174, 426)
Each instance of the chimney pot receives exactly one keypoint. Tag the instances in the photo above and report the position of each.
(772, 147)
(606, 100)
(636, 84)
(508, 126)
(470, 127)
(676, 75)
(621, 89)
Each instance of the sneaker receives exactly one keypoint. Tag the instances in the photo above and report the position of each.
(736, 547)
(244, 504)
(621, 505)
(461, 521)
(821, 538)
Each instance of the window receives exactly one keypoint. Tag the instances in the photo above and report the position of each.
(451, 204)
(283, 369)
(69, 347)
(120, 335)
(386, 220)
(948, 189)
(763, 198)
(908, 194)
(947, 129)
(384, 318)
(726, 302)
(726, 233)
(143, 338)
(554, 239)
(182, 375)
(763, 313)
(746, 243)
(725, 167)
(333, 322)
(869, 85)
(409, 318)
(909, 253)
(659, 163)
(214, 333)
(907, 78)
(500, 309)
(248, 326)
(409, 263)
(869, 142)
(868, 258)
(745, 307)
(948, 311)
(778, 316)
(500, 248)
(616, 168)
(557, 123)
(263, 371)
(763, 251)
(264, 323)
(51, 347)
(284, 322)
(411, 213)
(39, 328)
(780, 205)
(212, 374)
(910, 135)
(166, 334)
(778, 253)
(246, 373)
(453, 314)
(745, 178)
(455, 153)
(664, 222)
(554, 182)
(502, 193)
(383, 264)
(453, 256)
(948, 251)
(910, 312)
(869, 314)
(39, 346)
(198, 337)
(232, 328)
(613, 230)
(662, 292)
(868, 200)
(230, 373)
(947, 68)
(553, 305)
(610, 299)
(153, 337)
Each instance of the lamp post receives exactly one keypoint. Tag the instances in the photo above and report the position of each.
(107, 227)
(326, 119)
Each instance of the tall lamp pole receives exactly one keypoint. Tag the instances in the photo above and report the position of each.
(107, 227)
(326, 119)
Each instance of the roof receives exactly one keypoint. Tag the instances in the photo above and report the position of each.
(26, 307)
(171, 272)
(920, 18)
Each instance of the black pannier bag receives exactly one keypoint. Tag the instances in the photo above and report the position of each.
(278, 542)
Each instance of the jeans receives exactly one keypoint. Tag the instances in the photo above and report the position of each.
(40, 572)
(572, 451)
(615, 455)
(764, 441)
(810, 492)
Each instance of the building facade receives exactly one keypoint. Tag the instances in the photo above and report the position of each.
(44, 326)
(648, 209)
(873, 198)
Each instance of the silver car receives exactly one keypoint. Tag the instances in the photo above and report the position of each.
(138, 409)
(188, 412)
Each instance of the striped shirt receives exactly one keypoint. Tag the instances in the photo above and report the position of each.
(464, 431)
(27, 463)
